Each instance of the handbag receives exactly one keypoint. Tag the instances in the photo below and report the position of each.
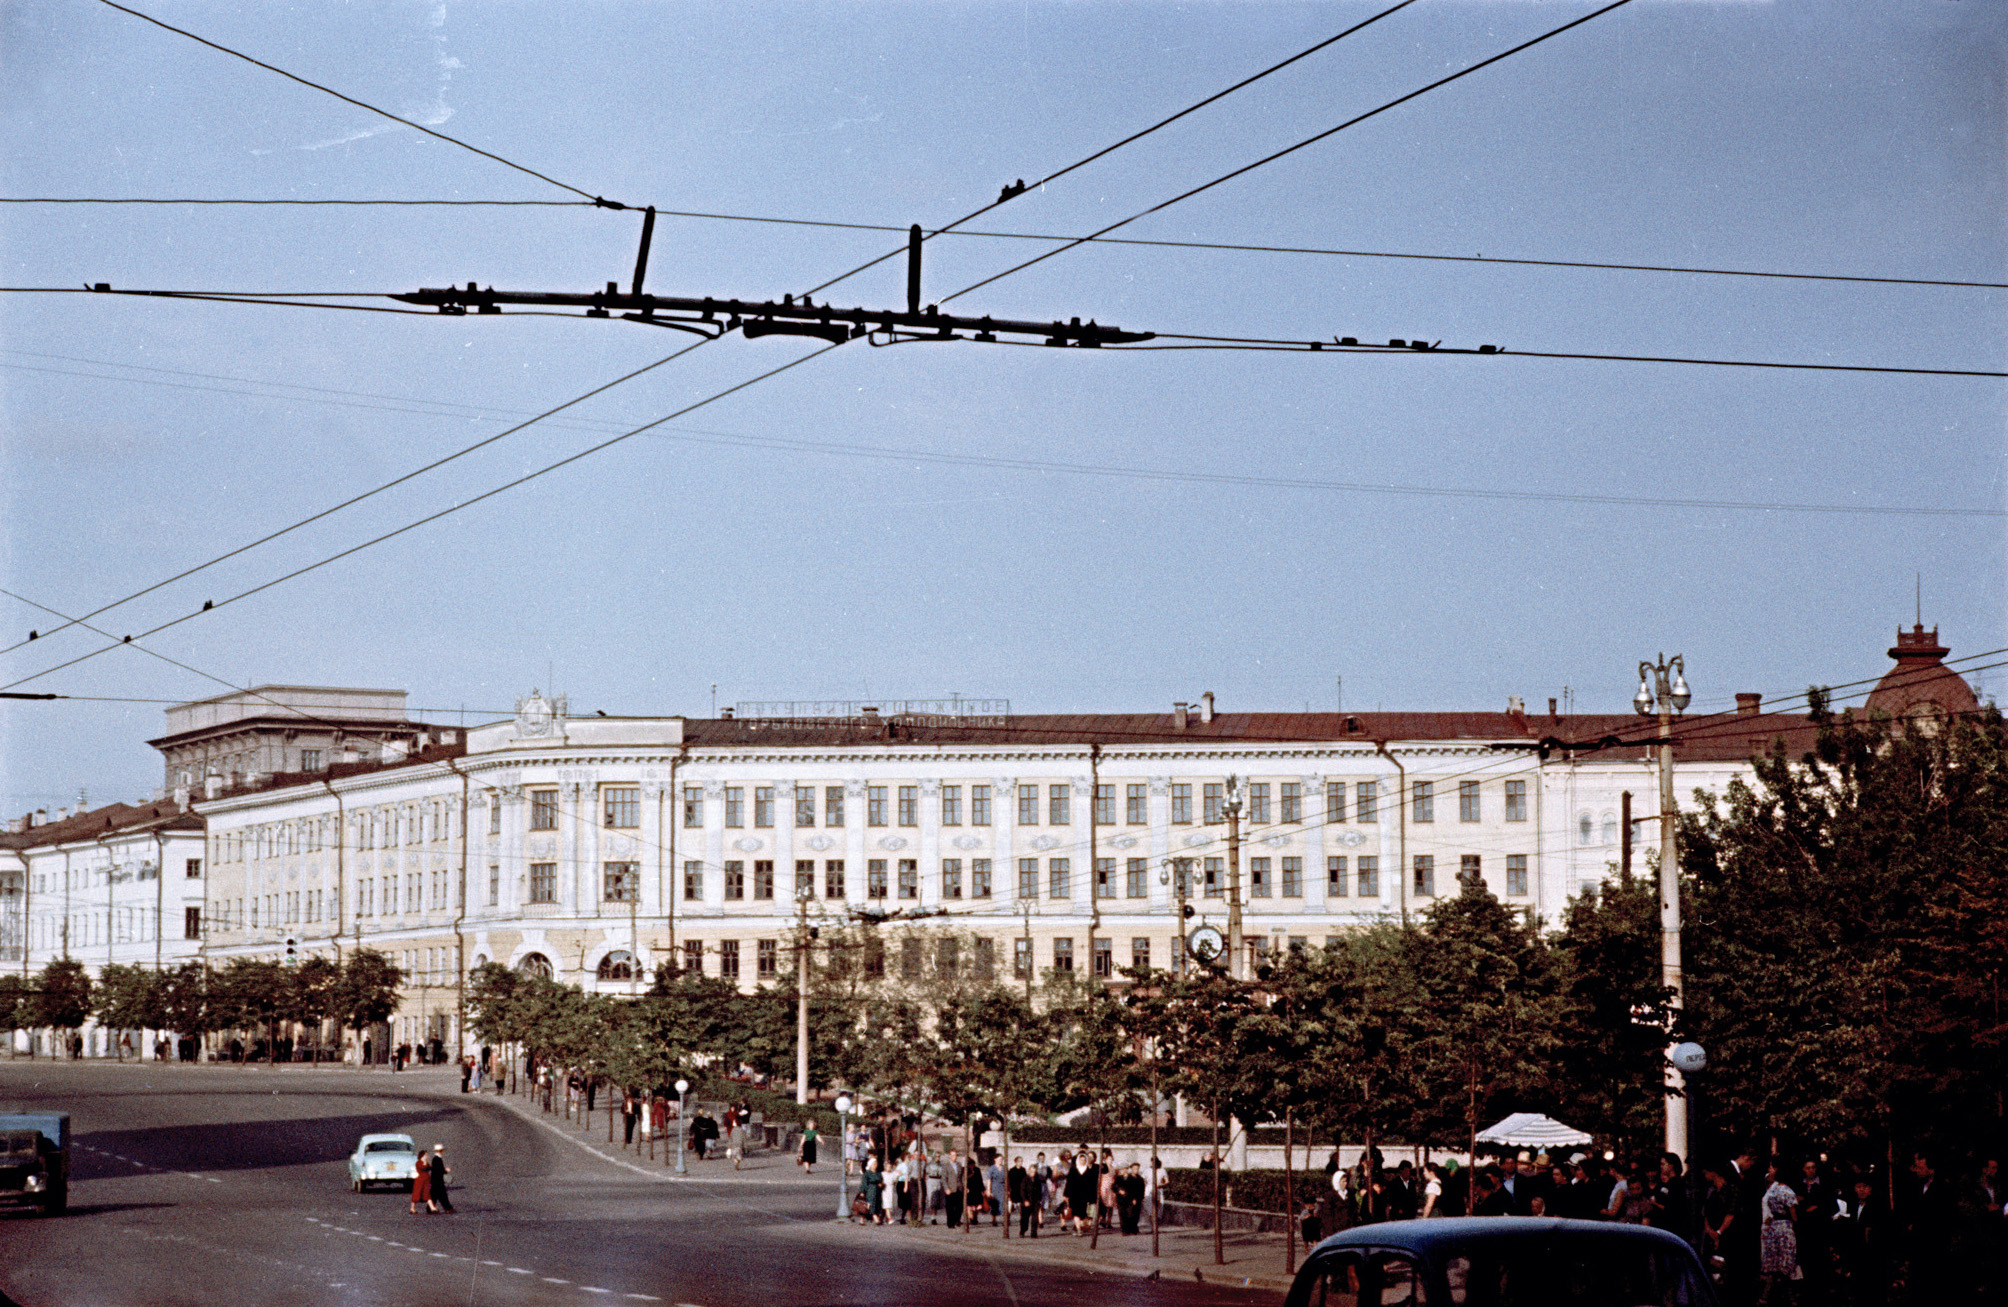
(859, 1207)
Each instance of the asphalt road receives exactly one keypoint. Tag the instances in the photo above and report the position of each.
(229, 1185)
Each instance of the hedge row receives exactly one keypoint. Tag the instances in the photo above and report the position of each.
(1260, 1191)
(1140, 1134)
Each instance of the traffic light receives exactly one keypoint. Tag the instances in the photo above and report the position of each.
(292, 950)
(1188, 912)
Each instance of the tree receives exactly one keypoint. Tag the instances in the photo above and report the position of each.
(62, 999)
(313, 993)
(1848, 927)
(366, 994)
(183, 996)
(127, 998)
(1610, 1035)
(17, 1002)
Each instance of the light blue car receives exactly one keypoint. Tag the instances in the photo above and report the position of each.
(383, 1159)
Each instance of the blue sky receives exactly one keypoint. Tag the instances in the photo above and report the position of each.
(141, 437)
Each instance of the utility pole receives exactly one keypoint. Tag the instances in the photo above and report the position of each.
(1663, 686)
(1094, 881)
(802, 994)
(1235, 967)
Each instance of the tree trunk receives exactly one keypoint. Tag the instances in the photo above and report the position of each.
(1289, 1196)
(1219, 1254)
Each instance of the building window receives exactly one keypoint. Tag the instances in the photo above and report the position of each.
(1467, 800)
(1366, 801)
(1216, 877)
(1214, 798)
(1063, 955)
(1470, 870)
(495, 814)
(875, 879)
(1028, 878)
(1181, 805)
(1516, 873)
(535, 964)
(948, 957)
(1136, 879)
(951, 878)
(693, 806)
(1424, 802)
(735, 880)
(192, 869)
(1293, 801)
(310, 760)
(543, 882)
(951, 805)
(693, 882)
(494, 885)
(875, 813)
(833, 805)
(986, 959)
(622, 807)
(1102, 954)
(1105, 805)
(693, 957)
(805, 878)
(1140, 953)
(1021, 959)
(728, 958)
(1259, 883)
(1136, 805)
(909, 805)
(979, 805)
(1335, 877)
(763, 879)
(833, 879)
(1059, 878)
(763, 805)
(191, 923)
(1258, 803)
(766, 958)
(1425, 874)
(1369, 878)
(1585, 832)
(735, 806)
(1516, 800)
(979, 878)
(617, 965)
(1105, 877)
(909, 878)
(622, 882)
(1028, 805)
(805, 805)
(1335, 801)
(909, 958)
(1293, 878)
(543, 810)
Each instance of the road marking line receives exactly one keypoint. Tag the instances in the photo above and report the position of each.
(486, 1262)
(447, 1255)
(641, 1297)
(587, 1288)
(376, 1238)
(517, 1270)
(550, 1279)
(395, 1244)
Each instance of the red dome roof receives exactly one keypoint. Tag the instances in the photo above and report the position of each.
(1921, 685)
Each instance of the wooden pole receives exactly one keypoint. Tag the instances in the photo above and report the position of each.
(1289, 1196)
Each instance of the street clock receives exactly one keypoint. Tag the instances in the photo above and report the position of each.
(1206, 943)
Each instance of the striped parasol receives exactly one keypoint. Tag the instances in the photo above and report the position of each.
(1532, 1130)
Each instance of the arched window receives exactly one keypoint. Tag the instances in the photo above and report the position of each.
(480, 960)
(1585, 833)
(617, 965)
(535, 964)
(1610, 828)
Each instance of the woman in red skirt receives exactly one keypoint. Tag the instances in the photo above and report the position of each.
(421, 1187)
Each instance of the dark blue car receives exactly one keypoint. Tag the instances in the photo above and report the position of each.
(1502, 1261)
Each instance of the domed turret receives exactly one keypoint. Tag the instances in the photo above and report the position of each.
(1921, 687)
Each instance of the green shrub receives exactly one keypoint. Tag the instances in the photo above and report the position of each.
(1259, 1191)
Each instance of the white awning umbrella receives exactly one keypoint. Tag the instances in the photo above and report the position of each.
(1533, 1130)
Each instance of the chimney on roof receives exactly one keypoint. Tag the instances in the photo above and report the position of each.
(870, 711)
(1206, 706)
(1516, 706)
(1551, 709)
(212, 786)
(725, 714)
(1748, 704)
(1178, 715)
(181, 797)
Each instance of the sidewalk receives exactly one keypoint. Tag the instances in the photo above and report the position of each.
(1253, 1261)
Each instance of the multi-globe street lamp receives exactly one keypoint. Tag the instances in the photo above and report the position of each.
(1662, 688)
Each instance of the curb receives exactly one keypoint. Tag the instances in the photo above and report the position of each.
(1167, 1269)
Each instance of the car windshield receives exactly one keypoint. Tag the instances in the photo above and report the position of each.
(22, 1143)
(387, 1146)
(1573, 1272)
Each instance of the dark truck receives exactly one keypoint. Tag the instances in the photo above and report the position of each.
(35, 1160)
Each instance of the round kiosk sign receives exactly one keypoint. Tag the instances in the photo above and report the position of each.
(1206, 943)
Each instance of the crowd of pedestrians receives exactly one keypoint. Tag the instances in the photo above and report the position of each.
(1773, 1232)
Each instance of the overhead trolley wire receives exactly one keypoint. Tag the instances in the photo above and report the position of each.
(1292, 149)
(1012, 192)
(349, 99)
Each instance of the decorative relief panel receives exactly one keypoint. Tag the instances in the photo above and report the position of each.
(967, 842)
(1124, 841)
(1045, 842)
(620, 845)
(749, 844)
(1196, 840)
(1160, 786)
(892, 843)
(820, 842)
(1275, 841)
(1352, 839)
(929, 789)
(543, 846)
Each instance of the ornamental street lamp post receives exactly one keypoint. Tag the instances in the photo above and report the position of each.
(843, 1106)
(1662, 687)
(682, 1122)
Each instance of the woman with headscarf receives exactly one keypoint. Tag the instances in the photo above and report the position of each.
(1083, 1190)
(874, 1191)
